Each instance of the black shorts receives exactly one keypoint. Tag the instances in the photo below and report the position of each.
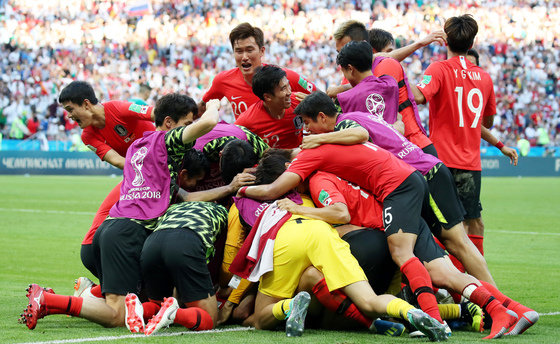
(426, 248)
(468, 188)
(369, 247)
(176, 257)
(88, 258)
(430, 149)
(444, 200)
(402, 207)
(117, 245)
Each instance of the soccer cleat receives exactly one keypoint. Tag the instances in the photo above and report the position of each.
(81, 284)
(473, 315)
(501, 324)
(35, 309)
(164, 317)
(295, 322)
(387, 328)
(427, 325)
(134, 314)
(526, 318)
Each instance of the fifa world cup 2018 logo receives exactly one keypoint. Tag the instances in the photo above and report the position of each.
(375, 104)
(137, 162)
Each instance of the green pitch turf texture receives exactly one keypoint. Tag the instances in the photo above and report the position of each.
(44, 218)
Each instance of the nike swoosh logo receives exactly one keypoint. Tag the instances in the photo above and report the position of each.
(233, 98)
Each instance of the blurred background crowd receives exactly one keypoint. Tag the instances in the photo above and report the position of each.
(179, 46)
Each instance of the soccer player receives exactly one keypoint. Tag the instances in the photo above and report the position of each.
(248, 47)
(461, 97)
(149, 184)
(272, 117)
(321, 118)
(388, 64)
(108, 130)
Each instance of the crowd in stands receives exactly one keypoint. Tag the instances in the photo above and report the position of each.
(178, 46)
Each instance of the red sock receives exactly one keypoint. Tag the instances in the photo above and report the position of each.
(194, 318)
(506, 301)
(421, 286)
(477, 241)
(339, 303)
(62, 304)
(501, 320)
(96, 291)
(150, 309)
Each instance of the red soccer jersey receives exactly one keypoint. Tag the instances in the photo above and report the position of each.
(459, 93)
(124, 123)
(365, 165)
(277, 133)
(230, 84)
(412, 131)
(364, 209)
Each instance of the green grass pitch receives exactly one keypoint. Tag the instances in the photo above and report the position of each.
(44, 218)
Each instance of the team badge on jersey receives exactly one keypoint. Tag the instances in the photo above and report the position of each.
(305, 84)
(375, 104)
(143, 109)
(325, 198)
(121, 130)
(425, 80)
(298, 122)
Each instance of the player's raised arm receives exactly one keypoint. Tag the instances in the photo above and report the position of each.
(207, 121)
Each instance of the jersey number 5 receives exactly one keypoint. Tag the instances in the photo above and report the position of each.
(476, 110)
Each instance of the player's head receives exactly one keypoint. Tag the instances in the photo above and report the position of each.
(272, 86)
(174, 110)
(381, 41)
(354, 59)
(318, 113)
(236, 156)
(193, 169)
(144, 90)
(460, 32)
(472, 55)
(247, 42)
(351, 30)
(78, 98)
(270, 167)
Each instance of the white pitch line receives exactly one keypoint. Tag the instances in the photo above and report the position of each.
(139, 336)
(518, 232)
(551, 313)
(41, 211)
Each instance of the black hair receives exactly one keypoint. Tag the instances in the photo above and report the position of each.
(379, 39)
(174, 105)
(314, 103)
(266, 78)
(474, 53)
(76, 92)
(353, 29)
(356, 53)
(270, 168)
(237, 155)
(195, 163)
(244, 31)
(460, 32)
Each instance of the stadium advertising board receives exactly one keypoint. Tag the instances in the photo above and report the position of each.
(54, 163)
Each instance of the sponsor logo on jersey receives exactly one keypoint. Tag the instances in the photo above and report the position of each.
(375, 104)
(305, 84)
(143, 109)
(298, 122)
(120, 130)
(325, 198)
